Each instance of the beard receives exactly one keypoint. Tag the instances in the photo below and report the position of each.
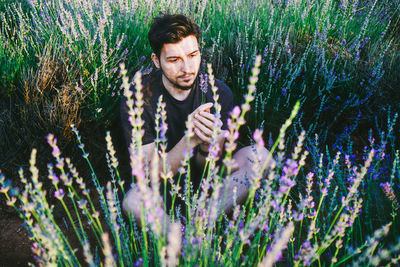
(178, 86)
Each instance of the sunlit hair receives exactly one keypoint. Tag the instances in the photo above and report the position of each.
(168, 28)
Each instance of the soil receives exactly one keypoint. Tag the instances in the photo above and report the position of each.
(15, 244)
(14, 241)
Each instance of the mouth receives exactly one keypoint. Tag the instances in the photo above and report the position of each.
(186, 77)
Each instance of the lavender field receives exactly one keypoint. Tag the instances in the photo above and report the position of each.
(316, 82)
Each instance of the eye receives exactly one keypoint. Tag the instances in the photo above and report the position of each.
(172, 60)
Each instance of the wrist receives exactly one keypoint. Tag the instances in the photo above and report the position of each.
(202, 151)
(194, 142)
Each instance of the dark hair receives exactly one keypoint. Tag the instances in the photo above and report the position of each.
(166, 29)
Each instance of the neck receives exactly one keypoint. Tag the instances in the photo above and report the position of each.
(175, 92)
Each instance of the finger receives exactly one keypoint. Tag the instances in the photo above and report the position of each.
(209, 120)
(202, 136)
(207, 130)
(207, 115)
(206, 122)
(204, 107)
(211, 117)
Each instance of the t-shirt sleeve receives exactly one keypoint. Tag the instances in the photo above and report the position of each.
(226, 102)
(148, 127)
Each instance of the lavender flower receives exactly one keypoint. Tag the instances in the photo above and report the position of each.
(280, 244)
(107, 250)
(59, 194)
(291, 168)
(203, 86)
(111, 151)
(388, 190)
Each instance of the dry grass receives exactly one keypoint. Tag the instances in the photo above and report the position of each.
(51, 101)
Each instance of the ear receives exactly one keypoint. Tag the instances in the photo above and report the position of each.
(156, 60)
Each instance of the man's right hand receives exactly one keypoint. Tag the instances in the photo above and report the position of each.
(204, 124)
(201, 135)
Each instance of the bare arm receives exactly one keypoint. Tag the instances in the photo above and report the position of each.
(177, 153)
(174, 156)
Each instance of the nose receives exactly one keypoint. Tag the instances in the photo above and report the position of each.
(186, 65)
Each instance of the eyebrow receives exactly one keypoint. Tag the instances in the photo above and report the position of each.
(195, 51)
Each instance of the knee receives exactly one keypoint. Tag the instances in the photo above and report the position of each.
(249, 154)
(265, 157)
(131, 204)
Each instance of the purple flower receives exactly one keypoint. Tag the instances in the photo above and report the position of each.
(275, 204)
(266, 51)
(385, 185)
(286, 185)
(388, 190)
(298, 216)
(59, 194)
(196, 241)
(203, 82)
(235, 112)
(291, 168)
(139, 262)
(324, 191)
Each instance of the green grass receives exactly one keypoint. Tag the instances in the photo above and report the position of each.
(338, 59)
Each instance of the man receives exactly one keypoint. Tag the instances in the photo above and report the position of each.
(176, 55)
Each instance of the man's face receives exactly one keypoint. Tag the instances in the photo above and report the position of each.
(180, 63)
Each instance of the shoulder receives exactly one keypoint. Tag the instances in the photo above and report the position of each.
(150, 88)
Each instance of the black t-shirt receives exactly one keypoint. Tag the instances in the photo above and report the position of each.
(177, 111)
